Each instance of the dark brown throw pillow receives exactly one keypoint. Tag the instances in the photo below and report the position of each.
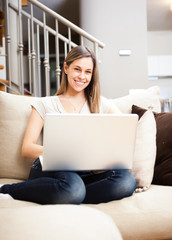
(163, 164)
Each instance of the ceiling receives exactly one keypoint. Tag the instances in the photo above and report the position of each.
(159, 16)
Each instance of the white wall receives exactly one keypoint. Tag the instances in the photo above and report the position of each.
(160, 43)
(120, 24)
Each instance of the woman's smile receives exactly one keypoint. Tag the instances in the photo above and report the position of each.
(79, 83)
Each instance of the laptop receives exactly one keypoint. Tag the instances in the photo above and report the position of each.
(79, 142)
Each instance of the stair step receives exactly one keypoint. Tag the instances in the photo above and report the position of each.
(4, 81)
(2, 87)
(1, 67)
(24, 2)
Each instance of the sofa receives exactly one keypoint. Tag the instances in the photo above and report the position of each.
(147, 214)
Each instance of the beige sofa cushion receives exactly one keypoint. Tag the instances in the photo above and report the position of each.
(143, 216)
(57, 222)
(14, 114)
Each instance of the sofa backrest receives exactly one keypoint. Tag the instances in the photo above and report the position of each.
(14, 115)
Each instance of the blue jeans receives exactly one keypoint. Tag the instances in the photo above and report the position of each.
(65, 187)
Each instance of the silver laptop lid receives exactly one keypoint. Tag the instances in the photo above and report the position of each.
(88, 141)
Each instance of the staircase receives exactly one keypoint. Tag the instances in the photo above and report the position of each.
(40, 49)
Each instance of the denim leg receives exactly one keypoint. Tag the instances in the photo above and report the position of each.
(67, 188)
(109, 186)
(49, 188)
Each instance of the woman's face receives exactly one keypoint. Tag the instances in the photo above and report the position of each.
(79, 73)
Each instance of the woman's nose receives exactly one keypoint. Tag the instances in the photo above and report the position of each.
(82, 75)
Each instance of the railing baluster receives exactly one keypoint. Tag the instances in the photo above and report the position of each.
(29, 58)
(69, 37)
(46, 57)
(81, 40)
(20, 46)
(58, 71)
(39, 63)
(33, 54)
(8, 42)
(65, 49)
(96, 49)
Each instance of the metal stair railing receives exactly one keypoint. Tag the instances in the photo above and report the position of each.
(35, 27)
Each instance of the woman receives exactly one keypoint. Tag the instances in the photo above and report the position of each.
(79, 93)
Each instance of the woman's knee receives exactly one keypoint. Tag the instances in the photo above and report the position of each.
(70, 188)
(128, 183)
(122, 184)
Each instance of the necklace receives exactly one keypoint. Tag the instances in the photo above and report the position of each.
(77, 108)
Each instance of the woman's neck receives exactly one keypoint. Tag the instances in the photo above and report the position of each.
(74, 95)
(72, 102)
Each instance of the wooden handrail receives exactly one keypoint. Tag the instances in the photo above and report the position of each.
(67, 23)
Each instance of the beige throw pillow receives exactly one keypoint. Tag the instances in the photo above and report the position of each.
(145, 150)
(143, 98)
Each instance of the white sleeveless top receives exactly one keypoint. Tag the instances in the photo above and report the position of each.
(53, 105)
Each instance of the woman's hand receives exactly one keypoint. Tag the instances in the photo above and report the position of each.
(30, 148)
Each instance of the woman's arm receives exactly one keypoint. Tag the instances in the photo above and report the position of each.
(30, 148)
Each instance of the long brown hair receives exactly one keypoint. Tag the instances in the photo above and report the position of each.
(92, 91)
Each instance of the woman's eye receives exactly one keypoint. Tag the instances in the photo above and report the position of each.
(88, 72)
(77, 69)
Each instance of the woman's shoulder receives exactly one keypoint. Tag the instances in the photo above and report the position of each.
(47, 100)
(45, 105)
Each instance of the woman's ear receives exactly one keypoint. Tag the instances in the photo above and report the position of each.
(65, 66)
